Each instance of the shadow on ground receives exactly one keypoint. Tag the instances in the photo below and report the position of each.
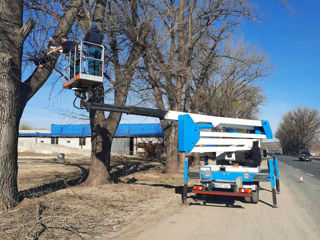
(45, 189)
(119, 169)
(124, 168)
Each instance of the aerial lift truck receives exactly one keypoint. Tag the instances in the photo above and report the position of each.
(198, 133)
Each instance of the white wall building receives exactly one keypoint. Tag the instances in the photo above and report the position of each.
(131, 139)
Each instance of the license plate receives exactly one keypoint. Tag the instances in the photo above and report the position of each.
(222, 185)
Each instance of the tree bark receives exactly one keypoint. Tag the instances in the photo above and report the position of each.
(101, 140)
(11, 105)
(170, 132)
(10, 67)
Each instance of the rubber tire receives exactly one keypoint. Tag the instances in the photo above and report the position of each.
(247, 199)
(255, 197)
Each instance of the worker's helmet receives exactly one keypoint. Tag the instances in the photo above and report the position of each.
(94, 25)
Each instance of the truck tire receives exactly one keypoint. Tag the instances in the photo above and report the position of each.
(255, 197)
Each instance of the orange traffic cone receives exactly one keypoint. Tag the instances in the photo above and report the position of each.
(301, 178)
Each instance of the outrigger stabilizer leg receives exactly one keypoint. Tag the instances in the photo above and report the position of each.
(276, 170)
(185, 180)
(272, 181)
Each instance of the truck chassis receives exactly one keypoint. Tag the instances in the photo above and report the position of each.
(232, 181)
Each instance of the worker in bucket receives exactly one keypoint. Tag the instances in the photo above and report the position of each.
(93, 38)
(69, 47)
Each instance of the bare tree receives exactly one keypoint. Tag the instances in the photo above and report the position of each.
(14, 92)
(298, 129)
(25, 126)
(180, 30)
(126, 33)
(124, 29)
(230, 90)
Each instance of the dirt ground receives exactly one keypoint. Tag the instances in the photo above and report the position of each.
(56, 206)
(142, 204)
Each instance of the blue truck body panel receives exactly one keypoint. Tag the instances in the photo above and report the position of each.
(227, 176)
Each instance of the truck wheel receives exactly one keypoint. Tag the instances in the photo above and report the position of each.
(255, 197)
(247, 199)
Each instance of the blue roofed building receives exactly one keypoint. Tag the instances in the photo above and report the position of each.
(130, 138)
(72, 130)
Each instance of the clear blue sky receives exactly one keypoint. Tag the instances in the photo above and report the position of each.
(291, 39)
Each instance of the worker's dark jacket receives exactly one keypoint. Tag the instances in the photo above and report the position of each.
(68, 46)
(94, 35)
(251, 158)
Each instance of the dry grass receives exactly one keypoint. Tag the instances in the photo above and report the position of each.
(54, 154)
(86, 212)
(35, 154)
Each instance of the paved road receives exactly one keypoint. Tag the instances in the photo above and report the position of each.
(310, 168)
(307, 194)
(297, 216)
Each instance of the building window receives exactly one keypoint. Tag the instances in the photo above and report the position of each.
(54, 140)
(82, 141)
(42, 141)
(68, 141)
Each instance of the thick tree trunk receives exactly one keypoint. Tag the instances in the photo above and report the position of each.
(102, 131)
(170, 132)
(196, 159)
(10, 63)
(101, 140)
(11, 105)
(181, 160)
